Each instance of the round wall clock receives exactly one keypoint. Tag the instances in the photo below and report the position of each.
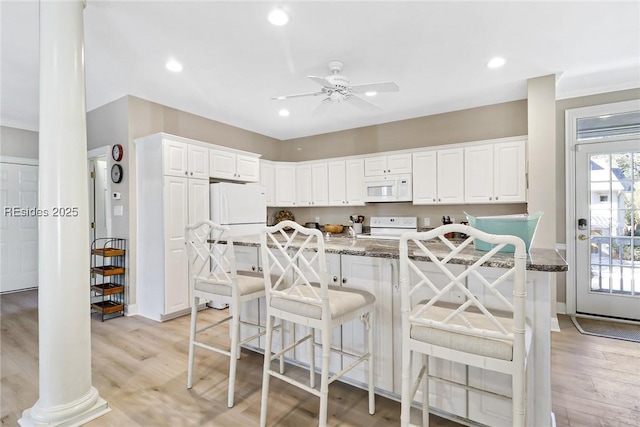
(117, 152)
(116, 173)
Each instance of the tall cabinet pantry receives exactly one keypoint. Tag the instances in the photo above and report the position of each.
(172, 191)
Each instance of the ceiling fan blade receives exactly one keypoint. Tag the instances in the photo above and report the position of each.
(362, 104)
(322, 107)
(322, 82)
(299, 95)
(375, 87)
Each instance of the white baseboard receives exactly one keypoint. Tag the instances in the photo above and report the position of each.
(131, 310)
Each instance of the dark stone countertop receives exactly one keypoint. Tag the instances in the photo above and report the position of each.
(546, 260)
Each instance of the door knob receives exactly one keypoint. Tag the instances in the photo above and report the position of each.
(582, 237)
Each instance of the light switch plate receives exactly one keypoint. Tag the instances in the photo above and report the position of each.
(118, 210)
(426, 222)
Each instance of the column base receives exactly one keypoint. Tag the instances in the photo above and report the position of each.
(67, 416)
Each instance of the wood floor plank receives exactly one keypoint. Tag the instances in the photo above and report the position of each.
(139, 367)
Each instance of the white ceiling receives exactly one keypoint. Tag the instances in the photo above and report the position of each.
(235, 61)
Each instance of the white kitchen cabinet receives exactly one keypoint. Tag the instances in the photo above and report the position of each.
(234, 166)
(495, 173)
(389, 164)
(438, 177)
(451, 176)
(312, 185)
(346, 182)
(268, 181)
(425, 178)
(167, 200)
(186, 160)
(378, 276)
(510, 171)
(285, 193)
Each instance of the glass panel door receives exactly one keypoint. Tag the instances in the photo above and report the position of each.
(608, 212)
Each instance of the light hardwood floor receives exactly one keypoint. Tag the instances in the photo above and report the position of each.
(139, 367)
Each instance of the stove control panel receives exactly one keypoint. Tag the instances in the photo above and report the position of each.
(409, 222)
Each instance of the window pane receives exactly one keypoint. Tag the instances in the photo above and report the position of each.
(609, 125)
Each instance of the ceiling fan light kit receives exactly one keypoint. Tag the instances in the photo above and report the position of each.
(337, 88)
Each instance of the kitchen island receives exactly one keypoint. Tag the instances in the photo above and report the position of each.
(373, 265)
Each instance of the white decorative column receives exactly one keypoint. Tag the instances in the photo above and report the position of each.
(66, 395)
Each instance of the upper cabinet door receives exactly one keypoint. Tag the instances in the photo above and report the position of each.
(510, 180)
(174, 158)
(268, 181)
(285, 185)
(384, 165)
(319, 185)
(198, 164)
(247, 168)
(478, 174)
(354, 177)
(337, 183)
(399, 163)
(375, 166)
(425, 178)
(451, 176)
(304, 195)
(222, 164)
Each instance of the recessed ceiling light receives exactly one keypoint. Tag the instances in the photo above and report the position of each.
(278, 17)
(173, 65)
(371, 93)
(283, 113)
(496, 62)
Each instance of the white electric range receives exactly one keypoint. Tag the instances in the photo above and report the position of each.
(389, 227)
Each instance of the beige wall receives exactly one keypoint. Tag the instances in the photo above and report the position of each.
(18, 143)
(146, 118)
(488, 122)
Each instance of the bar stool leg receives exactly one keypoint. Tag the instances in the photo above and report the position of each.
(324, 376)
(234, 350)
(425, 391)
(192, 339)
(265, 374)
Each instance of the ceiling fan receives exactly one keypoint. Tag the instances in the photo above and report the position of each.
(337, 88)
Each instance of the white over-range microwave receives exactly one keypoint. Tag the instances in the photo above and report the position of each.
(388, 188)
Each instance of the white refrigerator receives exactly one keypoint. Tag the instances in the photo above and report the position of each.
(242, 207)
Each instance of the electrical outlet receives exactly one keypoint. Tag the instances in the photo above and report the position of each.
(426, 222)
(318, 219)
(453, 220)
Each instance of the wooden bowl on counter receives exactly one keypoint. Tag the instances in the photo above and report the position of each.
(333, 228)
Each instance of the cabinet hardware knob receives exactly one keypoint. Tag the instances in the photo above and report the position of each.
(490, 198)
(496, 197)
(260, 269)
(191, 173)
(335, 278)
(253, 268)
(186, 173)
(344, 280)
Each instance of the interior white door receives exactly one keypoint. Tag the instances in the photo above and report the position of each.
(19, 227)
(608, 229)
(101, 199)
